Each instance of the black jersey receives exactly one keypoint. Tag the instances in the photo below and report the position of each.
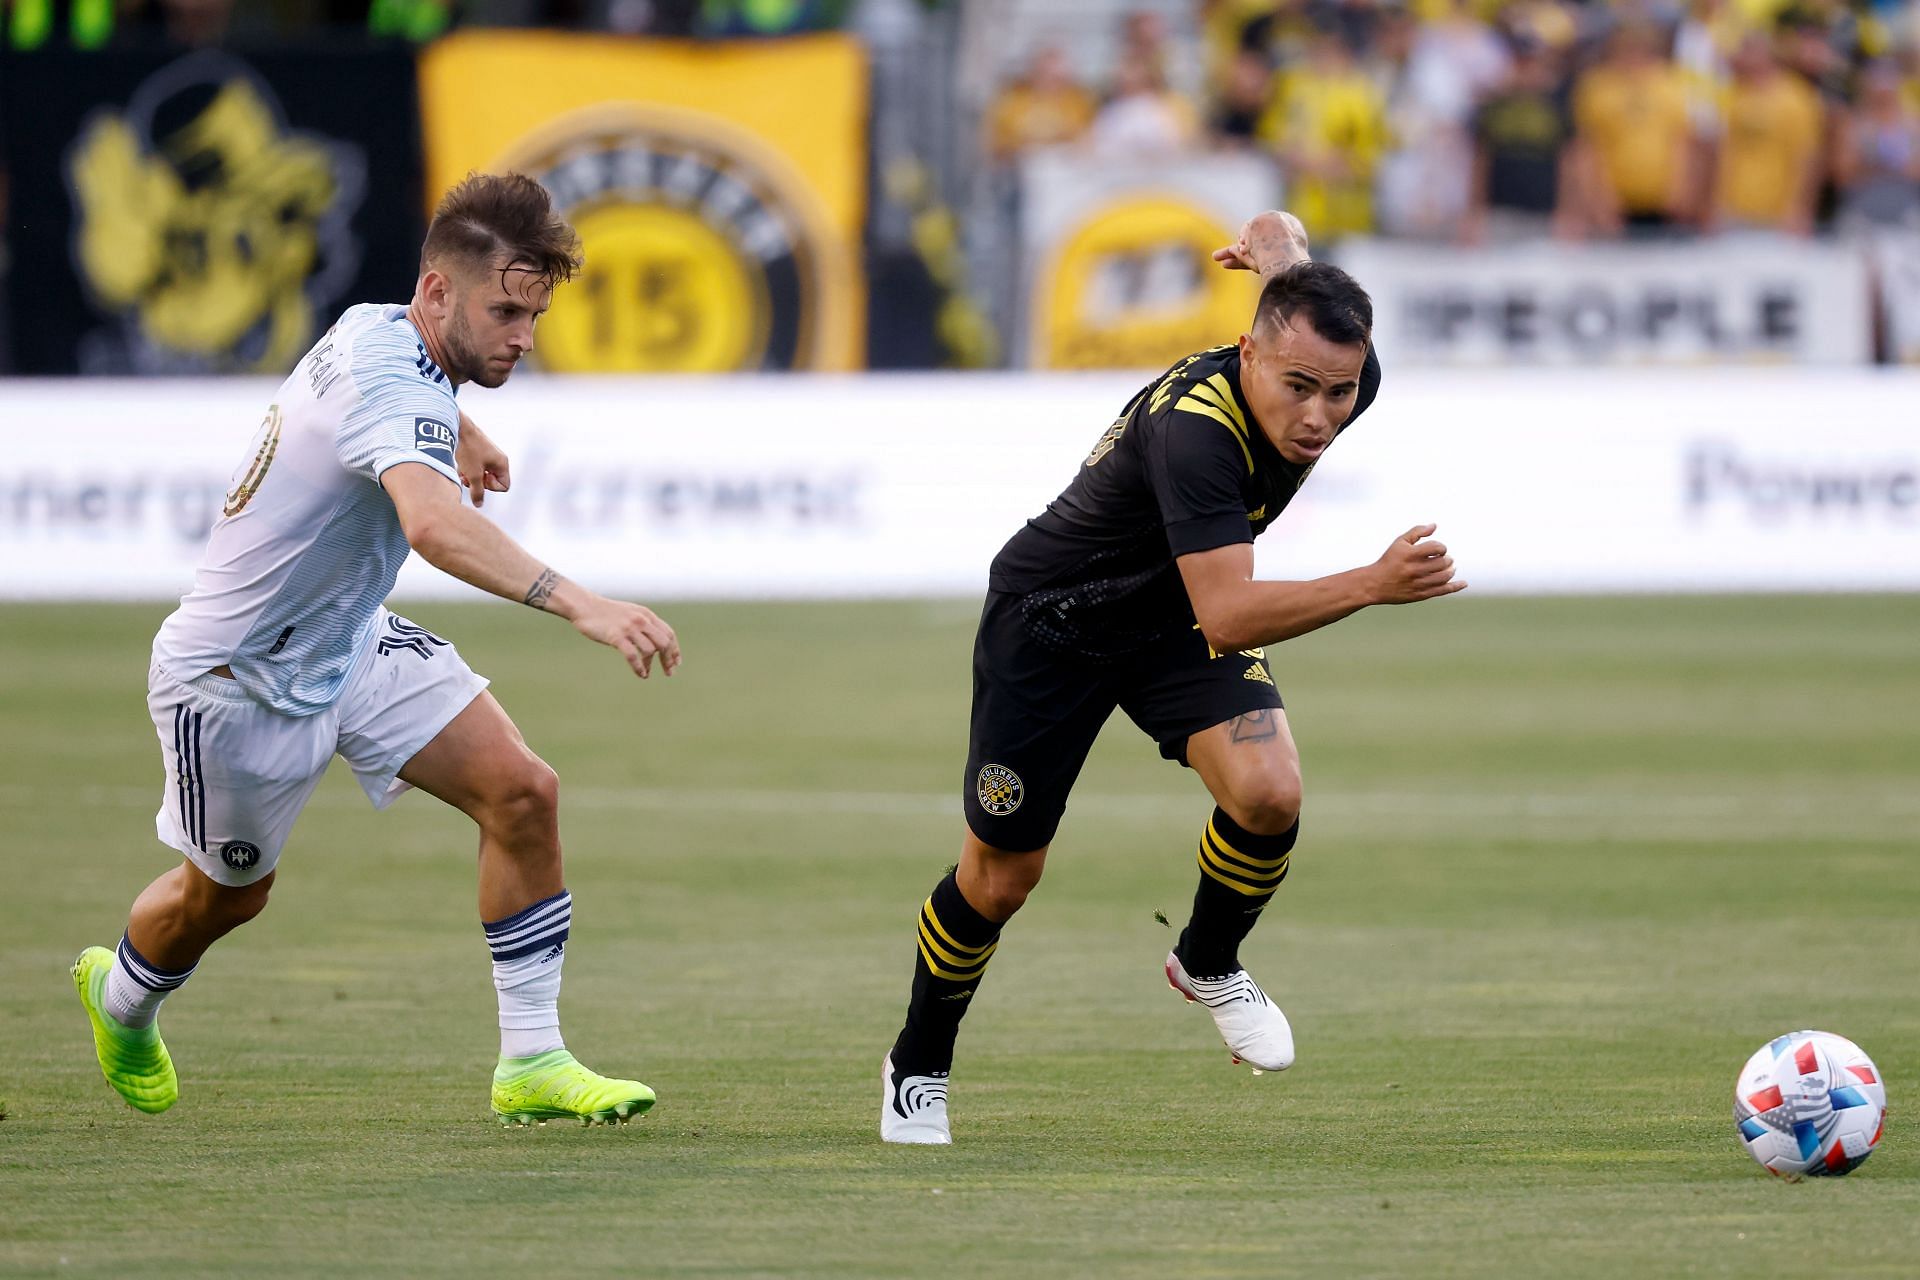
(1184, 468)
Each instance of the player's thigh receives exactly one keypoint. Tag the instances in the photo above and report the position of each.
(1221, 714)
(1252, 768)
(1035, 717)
(237, 774)
(405, 695)
(479, 762)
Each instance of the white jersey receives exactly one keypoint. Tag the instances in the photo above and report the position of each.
(308, 543)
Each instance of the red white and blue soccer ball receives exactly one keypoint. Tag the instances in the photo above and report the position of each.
(1810, 1105)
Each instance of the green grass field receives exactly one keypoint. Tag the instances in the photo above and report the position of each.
(1565, 864)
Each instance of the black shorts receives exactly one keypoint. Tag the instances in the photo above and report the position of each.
(1036, 713)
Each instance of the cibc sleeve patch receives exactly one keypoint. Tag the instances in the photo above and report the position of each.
(434, 438)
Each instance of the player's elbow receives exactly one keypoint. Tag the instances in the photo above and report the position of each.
(1224, 633)
(1219, 587)
(425, 532)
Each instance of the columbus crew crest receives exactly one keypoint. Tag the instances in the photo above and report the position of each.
(999, 789)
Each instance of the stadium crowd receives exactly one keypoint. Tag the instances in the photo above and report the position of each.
(1459, 120)
(1496, 120)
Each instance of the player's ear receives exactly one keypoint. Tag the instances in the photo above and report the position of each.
(436, 290)
(1246, 348)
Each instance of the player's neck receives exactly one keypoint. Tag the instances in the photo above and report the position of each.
(430, 339)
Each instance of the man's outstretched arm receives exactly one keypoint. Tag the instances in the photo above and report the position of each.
(1237, 611)
(465, 544)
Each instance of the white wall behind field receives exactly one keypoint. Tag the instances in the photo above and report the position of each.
(1542, 481)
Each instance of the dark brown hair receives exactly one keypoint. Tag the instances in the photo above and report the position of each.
(494, 215)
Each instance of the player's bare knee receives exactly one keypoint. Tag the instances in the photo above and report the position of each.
(1005, 897)
(226, 907)
(1009, 881)
(525, 804)
(1266, 803)
(244, 904)
(995, 882)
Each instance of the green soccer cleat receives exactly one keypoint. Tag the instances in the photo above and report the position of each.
(553, 1086)
(133, 1059)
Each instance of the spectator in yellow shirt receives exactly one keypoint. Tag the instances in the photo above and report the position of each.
(1635, 152)
(1045, 107)
(1767, 171)
(1328, 124)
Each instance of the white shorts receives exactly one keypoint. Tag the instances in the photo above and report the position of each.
(238, 773)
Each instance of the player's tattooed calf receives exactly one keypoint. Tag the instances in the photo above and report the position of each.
(542, 589)
(1254, 726)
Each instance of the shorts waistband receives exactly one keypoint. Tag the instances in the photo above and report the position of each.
(213, 686)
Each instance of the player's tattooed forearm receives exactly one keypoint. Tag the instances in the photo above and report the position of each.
(542, 589)
(1255, 726)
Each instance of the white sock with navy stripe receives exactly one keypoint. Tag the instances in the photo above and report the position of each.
(528, 949)
(135, 988)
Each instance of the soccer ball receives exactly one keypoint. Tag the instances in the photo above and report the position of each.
(1809, 1104)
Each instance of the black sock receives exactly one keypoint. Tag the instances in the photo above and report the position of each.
(1238, 873)
(955, 944)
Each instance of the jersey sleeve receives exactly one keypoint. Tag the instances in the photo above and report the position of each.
(1198, 459)
(404, 414)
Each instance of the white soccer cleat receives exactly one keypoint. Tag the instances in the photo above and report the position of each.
(913, 1109)
(1255, 1030)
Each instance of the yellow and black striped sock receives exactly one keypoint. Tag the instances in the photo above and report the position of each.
(955, 943)
(1239, 871)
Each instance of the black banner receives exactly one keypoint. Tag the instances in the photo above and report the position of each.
(204, 212)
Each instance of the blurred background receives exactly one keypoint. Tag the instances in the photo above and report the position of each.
(1653, 264)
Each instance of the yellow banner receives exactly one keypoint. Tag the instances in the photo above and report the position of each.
(1117, 254)
(1133, 286)
(719, 189)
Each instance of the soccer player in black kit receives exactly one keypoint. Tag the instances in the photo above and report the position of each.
(1135, 590)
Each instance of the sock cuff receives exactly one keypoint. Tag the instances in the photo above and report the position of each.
(955, 940)
(540, 927)
(144, 972)
(1236, 839)
(1249, 864)
(953, 917)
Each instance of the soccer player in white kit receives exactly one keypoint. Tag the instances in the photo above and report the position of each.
(283, 654)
